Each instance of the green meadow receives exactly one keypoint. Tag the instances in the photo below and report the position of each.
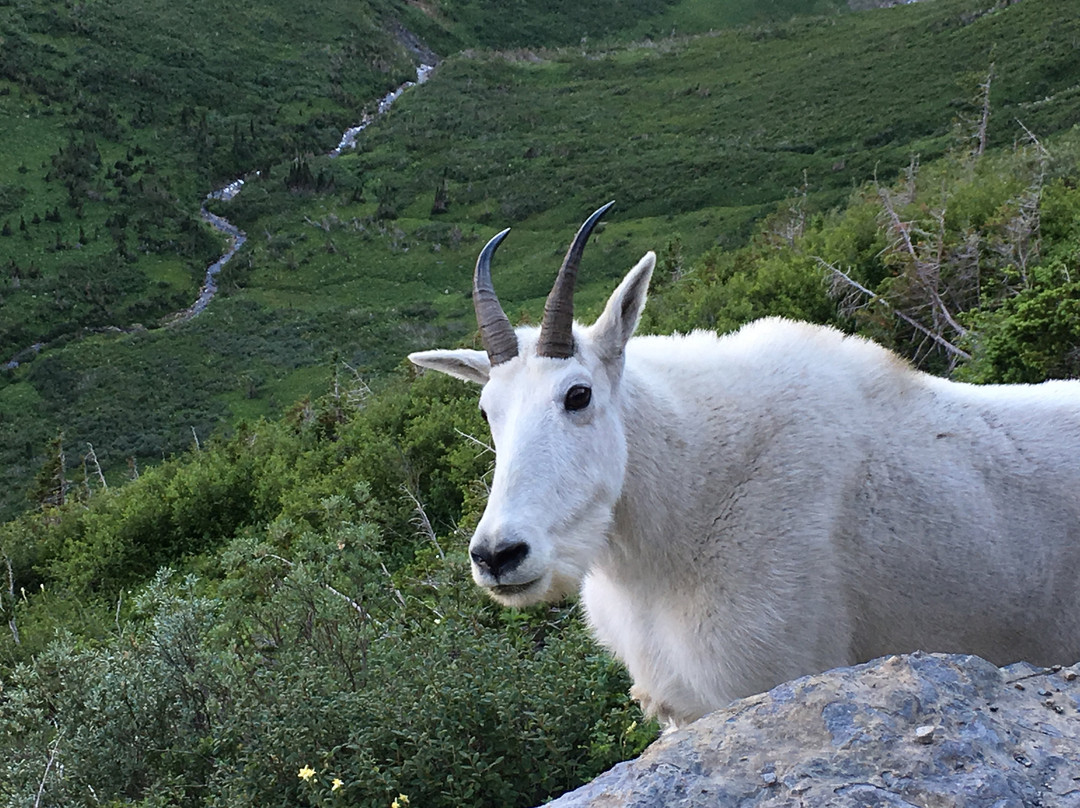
(696, 136)
(234, 552)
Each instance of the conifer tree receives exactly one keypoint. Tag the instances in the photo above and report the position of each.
(49, 489)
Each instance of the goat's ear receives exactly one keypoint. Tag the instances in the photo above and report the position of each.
(616, 325)
(472, 366)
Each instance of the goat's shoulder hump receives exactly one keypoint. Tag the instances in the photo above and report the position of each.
(772, 340)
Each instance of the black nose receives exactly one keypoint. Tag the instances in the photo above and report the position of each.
(505, 558)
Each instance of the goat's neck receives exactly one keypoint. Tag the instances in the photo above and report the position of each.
(662, 483)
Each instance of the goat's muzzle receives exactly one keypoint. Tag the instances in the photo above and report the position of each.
(503, 559)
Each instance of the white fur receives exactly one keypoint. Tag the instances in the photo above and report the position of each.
(745, 509)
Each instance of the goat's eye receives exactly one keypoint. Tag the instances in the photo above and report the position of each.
(578, 397)
(483, 414)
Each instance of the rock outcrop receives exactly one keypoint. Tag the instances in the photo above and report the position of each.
(914, 730)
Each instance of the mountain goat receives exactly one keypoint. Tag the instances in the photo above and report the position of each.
(744, 509)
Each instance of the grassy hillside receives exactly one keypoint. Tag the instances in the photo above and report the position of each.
(451, 25)
(118, 117)
(285, 617)
(280, 613)
(695, 138)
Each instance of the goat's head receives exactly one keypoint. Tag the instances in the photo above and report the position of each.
(551, 398)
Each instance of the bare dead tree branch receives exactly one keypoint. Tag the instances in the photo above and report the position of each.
(910, 186)
(439, 616)
(358, 607)
(360, 610)
(48, 766)
(390, 578)
(984, 115)
(359, 390)
(787, 228)
(839, 274)
(421, 521)
(485, 446)
(92, 457)
(926, 258)
(1020, 243)
(116, 617)
(11, 594)
(1031, 137)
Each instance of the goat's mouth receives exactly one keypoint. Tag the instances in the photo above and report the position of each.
(510, 590)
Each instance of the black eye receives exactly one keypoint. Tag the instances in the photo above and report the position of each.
(483, 414)
(578, 397)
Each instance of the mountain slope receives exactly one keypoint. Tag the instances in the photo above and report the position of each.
(281, 613)
(695, 138)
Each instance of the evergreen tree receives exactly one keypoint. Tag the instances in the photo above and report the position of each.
(50, 486)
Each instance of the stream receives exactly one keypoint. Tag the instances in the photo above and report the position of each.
(234, 235)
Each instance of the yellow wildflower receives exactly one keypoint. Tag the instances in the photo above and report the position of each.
(336, 784)
(306, 773)
(401, 801)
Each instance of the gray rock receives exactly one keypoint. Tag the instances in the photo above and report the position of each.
(923, 730)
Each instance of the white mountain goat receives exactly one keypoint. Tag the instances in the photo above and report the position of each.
(744, 509)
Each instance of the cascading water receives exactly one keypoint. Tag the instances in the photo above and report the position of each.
(236, 237)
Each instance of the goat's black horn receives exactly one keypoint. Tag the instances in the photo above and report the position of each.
(496, 333)
(556, 330)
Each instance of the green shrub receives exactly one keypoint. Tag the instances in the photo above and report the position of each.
(307, 655)
(1031, 337)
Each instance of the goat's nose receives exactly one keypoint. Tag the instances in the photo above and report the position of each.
(503, 559)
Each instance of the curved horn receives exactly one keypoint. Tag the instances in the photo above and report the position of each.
(496, 333)
(556, 331)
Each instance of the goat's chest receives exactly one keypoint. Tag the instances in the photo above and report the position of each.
(669, 653)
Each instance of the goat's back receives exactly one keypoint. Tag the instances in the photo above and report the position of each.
(949, 512)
